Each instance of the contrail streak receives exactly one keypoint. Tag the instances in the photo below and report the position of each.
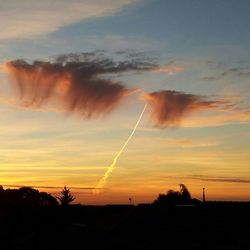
(110, 169)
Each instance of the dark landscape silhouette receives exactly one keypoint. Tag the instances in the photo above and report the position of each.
(36, 220)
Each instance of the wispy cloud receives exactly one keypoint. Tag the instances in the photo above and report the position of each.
(85, 83)
(218, 118)
(169, 107)
(239, 72)
(114, 42)
(170, 68)
(28, 18)
(74, 80)
(195, 143)
(172, 108)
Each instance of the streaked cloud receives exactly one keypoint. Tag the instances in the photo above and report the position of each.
(218, 118)
(50, 187)
(179, 142)
(219, 179)
(194, 143)
(28, 18)
(239, 72)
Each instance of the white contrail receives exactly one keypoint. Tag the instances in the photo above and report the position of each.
(110, 169)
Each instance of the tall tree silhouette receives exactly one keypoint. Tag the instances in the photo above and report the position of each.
(66, 197)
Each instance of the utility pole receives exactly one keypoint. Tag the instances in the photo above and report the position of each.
(203, 196)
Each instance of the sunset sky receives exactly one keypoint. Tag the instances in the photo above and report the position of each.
(98, 62)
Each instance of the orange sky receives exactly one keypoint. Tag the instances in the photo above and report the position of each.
(67, 126)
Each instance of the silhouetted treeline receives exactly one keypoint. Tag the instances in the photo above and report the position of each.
(25, 197)
(32, 224)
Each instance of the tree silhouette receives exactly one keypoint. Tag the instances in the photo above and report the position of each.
(66, 197)
(172, 197)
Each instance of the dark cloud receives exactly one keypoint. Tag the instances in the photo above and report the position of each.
(75, 81)
(169, 107)
(101, 64)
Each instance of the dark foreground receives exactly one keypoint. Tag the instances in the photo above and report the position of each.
(211, 226)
